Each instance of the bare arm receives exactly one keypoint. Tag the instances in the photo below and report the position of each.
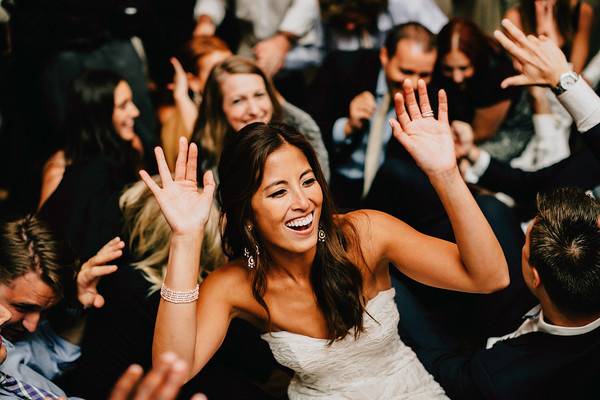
(581, 41)
(184, 104)
(52, 175)
(476, 263)
(186, 209)
(487, 120)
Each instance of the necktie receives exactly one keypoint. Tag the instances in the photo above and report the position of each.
(24, 390)
(375, 142)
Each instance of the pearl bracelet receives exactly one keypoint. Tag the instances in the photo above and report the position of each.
(172, 296)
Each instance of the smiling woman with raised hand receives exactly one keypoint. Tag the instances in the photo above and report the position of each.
(317, 284)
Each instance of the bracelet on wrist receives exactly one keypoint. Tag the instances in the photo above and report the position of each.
(179, 297)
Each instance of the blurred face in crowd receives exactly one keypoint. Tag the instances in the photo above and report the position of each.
(411, 61)
(4, 317)
(125, 112)
(205, 65)
(245, 100)
(25, 298)
(457, 66)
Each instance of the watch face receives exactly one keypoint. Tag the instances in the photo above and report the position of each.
(568, 80)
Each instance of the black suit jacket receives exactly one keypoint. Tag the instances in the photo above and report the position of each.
(532, 366)
(342, 76)
(581, 169)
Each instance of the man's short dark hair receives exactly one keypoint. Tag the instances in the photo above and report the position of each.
(565, 250)
(28, 245)
(412, 31)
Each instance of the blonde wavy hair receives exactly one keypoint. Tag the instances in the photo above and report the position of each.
(149, 235)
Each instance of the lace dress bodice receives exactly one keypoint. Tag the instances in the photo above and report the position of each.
(377, 365)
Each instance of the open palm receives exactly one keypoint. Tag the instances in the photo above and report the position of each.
(428, 140)
(185, 207)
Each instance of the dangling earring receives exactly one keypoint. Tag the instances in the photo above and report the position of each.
(249, 259)
(321, 235)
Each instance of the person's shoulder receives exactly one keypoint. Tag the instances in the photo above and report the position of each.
(231, 276)
(365, 224)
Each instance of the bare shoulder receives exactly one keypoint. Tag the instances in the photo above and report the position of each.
(372, 232)
(56, 163)
(369, 222)
(231, 275)
(230, 282)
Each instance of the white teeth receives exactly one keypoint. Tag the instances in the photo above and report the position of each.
(301, 221)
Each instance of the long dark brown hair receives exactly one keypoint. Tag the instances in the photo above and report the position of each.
(336, 281)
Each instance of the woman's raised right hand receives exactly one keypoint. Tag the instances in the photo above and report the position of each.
(185, 207)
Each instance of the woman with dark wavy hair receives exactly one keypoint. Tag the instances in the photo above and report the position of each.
(316, 283)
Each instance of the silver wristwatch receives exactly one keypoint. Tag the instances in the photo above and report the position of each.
(565, 82)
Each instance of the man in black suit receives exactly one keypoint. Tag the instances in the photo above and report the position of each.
(352, 99)
(555, 351)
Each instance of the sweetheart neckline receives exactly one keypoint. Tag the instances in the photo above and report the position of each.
(279, 334)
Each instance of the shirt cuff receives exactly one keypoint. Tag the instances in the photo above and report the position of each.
(583, 104)
(478, 168)
(339, 136)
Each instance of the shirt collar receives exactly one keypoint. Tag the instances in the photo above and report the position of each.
(537, 314)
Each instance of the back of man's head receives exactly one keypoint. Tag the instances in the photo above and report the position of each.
(411, 31)
(565, 250)
(28, 245)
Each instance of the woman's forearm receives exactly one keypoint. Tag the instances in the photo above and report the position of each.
(175, 329)
(479, 249)
(188, 111)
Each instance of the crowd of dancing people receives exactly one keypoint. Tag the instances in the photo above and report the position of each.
(299, 199)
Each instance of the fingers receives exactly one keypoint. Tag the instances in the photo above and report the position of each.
(86, 276)
(163, 168)
(511, 47)
(126, 383)
(153, 186)
(192, 163)
(105, 256)
(516, 33)
(164, 380)
(517, 80)
(102, 270)
(411, 101)
(401, 114)
(442, 107)
(177, 66)
(423, 97)
(181, 162)
(208, 181)
(399, 134)
(98, 301)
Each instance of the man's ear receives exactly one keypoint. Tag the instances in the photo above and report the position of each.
(536, 282)
(383, 56)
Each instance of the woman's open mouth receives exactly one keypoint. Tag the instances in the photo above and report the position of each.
(302, 223)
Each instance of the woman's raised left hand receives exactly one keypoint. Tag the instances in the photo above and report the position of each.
(185, 207)
(428, 140)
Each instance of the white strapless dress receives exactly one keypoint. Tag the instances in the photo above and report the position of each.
(377, 365)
